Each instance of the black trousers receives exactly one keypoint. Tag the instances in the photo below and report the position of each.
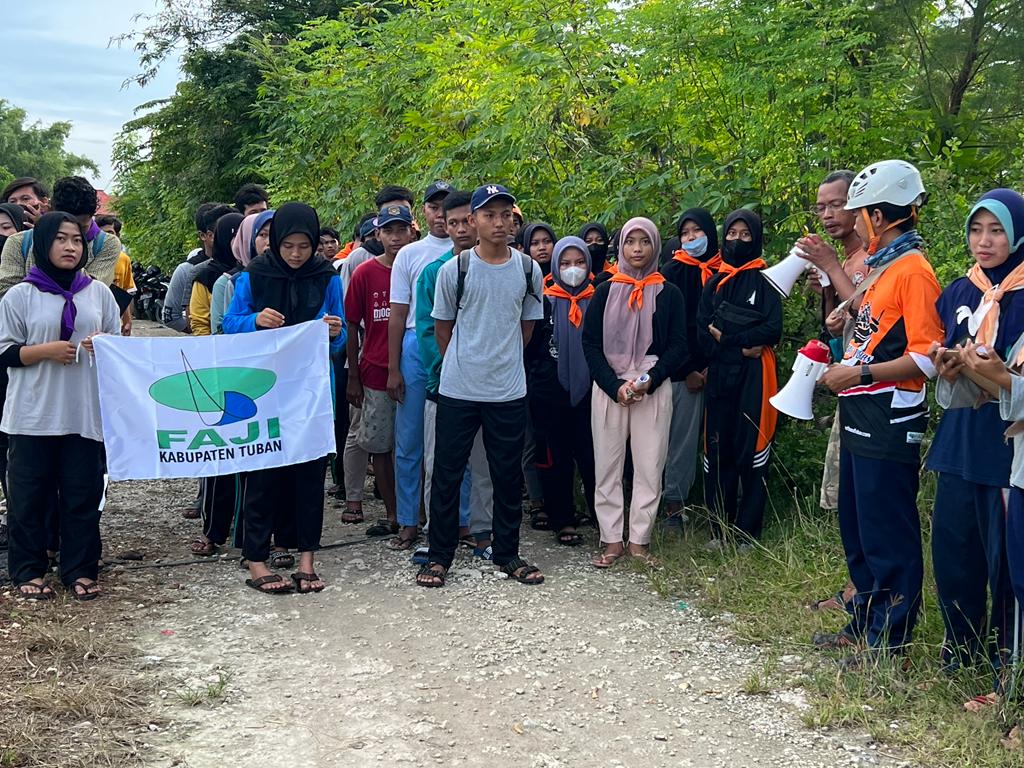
(504, 425)
(221, 497)
(341, 421)
(564, 443)
(69, 468)
(969, 554)
(737, 449)
(295, 491)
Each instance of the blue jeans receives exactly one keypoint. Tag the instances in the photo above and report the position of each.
(409, 433)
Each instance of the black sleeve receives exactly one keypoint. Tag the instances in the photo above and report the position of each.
(669, 315)
(11, 357)
(705, 313)
(768, 332)
(593, 345)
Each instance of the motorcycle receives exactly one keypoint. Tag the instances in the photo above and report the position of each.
(151, 290)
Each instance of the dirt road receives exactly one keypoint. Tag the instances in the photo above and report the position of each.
(589, 669)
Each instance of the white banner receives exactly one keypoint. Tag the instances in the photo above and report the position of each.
(212, 405)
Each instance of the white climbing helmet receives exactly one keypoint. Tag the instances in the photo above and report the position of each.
(896, 182)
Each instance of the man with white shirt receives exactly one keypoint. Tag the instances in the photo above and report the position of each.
(407, 377)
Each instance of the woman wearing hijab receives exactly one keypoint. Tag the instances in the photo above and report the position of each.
(634, 327)
(286, 286)
(738, 323)
(695, 262)
(243, 246)
(538, 239)
(47, 323)
(223, 262)
(558, 386)
(969, 452)
(594, 234)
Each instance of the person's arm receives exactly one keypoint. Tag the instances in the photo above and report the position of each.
(12, 263)
(444, 304)
(174, 300)
(199, 309)
(14, 352)
(673, 356)
(527, 328)
(593, 346)
(533, 304)
(705, 314)
(217, 304)
(335, 305)
(443, 333)
(766, 333)
(241, 315)
(396, 336)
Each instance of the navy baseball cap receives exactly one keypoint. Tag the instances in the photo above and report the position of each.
(483, 195)
(367, 228)
(391, 213)
(437, 189)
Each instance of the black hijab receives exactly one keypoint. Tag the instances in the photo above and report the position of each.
(526, 235)
(299, 293)
(44, 233)
(736, 253)
(706, 222)
(598, 251)
(17, 215)
(223, 257)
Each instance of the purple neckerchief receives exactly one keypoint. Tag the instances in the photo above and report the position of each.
(46, 284)
(92, 231)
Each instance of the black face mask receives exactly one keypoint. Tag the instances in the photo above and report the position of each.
(598, 254)
(374, 246)
(736, 253)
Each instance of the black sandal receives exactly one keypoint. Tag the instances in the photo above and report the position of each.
(352, 517)
(539, 519)
(282, 560)
(42, 591)
(569, 538)
(271, 578)
(382, 528)
(86, 595)
(300, 576)
(524, 569)
(204, 548)
(429, 571)
(403, 543)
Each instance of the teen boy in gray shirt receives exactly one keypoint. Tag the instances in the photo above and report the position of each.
(481, 331)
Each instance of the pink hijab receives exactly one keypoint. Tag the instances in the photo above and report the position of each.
(629, 331)
(241, 244)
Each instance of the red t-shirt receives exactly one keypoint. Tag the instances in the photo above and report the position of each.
(368, 303)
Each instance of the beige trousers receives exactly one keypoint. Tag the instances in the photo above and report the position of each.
(646, 425)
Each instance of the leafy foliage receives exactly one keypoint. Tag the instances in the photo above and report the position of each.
(35, 150)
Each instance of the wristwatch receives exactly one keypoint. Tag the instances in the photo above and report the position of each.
(865, 376)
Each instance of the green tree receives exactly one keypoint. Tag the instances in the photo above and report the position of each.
(34, 149)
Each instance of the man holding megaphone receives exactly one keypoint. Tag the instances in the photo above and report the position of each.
(883, 409)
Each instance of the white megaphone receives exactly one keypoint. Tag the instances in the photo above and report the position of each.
(784, 274)
(794, 399)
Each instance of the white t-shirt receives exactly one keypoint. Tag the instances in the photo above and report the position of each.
(49, 398)
(409, 264)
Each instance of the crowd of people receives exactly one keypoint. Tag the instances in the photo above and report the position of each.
(485, 363)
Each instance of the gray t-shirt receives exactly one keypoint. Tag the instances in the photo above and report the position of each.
(50, 398)
(484, 361)
(179, 291)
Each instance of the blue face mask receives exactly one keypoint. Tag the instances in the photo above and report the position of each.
(696, 248)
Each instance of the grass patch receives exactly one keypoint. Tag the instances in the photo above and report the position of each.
(70, 697)
(918, 711)
(211, 694)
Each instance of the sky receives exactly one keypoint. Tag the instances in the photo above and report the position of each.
(76, 74)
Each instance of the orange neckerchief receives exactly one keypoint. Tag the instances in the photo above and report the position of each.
(730, 271)
(636, 296)
(556, 291)
(707, 268)
(613, 269)
(990, 293)
(344, 252)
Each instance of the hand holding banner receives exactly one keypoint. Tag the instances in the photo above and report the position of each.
(213, 405)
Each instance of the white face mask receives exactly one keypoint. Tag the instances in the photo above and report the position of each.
(573, 276)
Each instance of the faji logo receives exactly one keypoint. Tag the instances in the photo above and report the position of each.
(221, 397)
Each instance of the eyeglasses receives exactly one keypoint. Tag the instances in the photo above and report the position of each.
(835, 206)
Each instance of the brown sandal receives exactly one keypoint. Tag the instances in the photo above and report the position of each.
(300, 576)
(204, 548)
(272, 578)
(607, 559)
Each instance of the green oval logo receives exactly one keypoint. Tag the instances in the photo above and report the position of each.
(210, 390)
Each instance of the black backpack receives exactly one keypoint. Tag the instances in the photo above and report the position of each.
(460, 286)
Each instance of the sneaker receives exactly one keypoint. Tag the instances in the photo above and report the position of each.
(421, 556)
(484, 554)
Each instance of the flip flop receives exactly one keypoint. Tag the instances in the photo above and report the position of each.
(272, 578)
(203, 548)
(607, 559)
(300, 576)
(382, 528)
(83, 597)
(43, 591)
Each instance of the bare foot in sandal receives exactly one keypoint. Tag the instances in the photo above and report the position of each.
(84, 589)
(265, 580)
(611, 555)
(642, 553)
(35, 589)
